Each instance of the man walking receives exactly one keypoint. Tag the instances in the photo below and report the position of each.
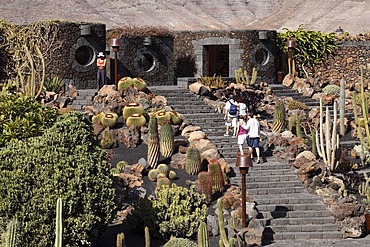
(230, 115)
(101, 63)
(253, 129)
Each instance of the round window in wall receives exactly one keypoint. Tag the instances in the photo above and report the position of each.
(261, 56)
(146, 62)
(84, 55)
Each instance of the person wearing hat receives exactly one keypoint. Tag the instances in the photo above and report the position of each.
(101, 64)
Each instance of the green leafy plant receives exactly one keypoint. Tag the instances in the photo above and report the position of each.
(312, 47)
(65, 162)
(53, 84)
(22, 117)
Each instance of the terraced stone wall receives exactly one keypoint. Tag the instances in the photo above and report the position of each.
(345, 64)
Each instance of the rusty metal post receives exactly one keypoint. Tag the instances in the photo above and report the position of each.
(115, 43)
(244, 162)
(291, 45)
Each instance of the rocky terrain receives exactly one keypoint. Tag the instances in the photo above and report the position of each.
(352, 15)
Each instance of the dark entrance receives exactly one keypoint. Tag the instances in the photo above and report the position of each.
(217, 60)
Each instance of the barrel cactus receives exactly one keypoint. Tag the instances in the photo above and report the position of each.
(193, 160)
(163, 168)
(96, 119)
(135, 119)
(124, 83)
(172, 175)
(139, 84)
(175, 118)
(109, 119)
(153, 143)
(163, 117)
(152, 175)
(163, 182)
(132, 108)
(166, 140)
(217, 177)
(279, 116)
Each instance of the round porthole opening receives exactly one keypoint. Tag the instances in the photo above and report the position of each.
(84, 55)
(261, 56)
(146, 62)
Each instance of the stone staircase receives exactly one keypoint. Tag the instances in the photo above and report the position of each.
(85, 97)
(286, 209)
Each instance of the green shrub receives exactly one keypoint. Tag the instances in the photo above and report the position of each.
(332, 89)
(183, 242)
(66, 162)
(179, 210)
(22, 117)
(53, 84)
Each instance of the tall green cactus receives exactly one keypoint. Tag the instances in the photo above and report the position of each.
(217, 177)
(193, 160)
(204, 185)
(279, 116)
(11, 233)
(121, 240)
(224, 240)
(59, 224)
(166, 140)
(292, 123)
(365, 143)
(242, 76)
(313, 137)
(328, 148)
(342, 107)
(153, 143)
(298, 126)
(147, 236)
(203, 235)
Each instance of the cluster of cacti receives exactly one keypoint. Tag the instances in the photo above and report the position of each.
(364, 188)
(166, 140)
(127, 81)
(296, 105)
(214, 82)
(59, 224)
(243, 77)
(121, 240)
(153, 143)
(11, 234)
(161, 171)
(203, 235)
(224, 241)
(217, 176)
(193, 160)
(279, 116)
(328, 148)
(109, 119)
(132, 108)
(108, 140)
(204, 185)
(136, 119)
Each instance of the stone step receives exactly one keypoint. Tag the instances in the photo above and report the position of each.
(266, 191)
(294, 198)
(279, 184)
(298, 221)
(296, 214)
(292, 207)
(269, 234)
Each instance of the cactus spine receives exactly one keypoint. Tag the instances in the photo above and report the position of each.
(217, 177)
(342, 107)
(193, 160)
(203, 236)
(121, 240)
(328, 148)
(166, 140)
(224, 241)
(59, 224)
(279, 116)
(153, 143)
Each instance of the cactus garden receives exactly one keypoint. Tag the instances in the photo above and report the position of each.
(131, 169)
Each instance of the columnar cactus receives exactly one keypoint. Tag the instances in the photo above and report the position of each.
(166, 140)
(204, 185)
(292, 122)
(298, 126)
(135, 119)
(224, 240)
(193, 160)
(121, 240)
(147, 237)
(217, 177)
(279, 116)
(59, 224)
(153, 143)
(328, 148)
(11, 233)
(132, 108)
(342, 107)
(203, 235)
